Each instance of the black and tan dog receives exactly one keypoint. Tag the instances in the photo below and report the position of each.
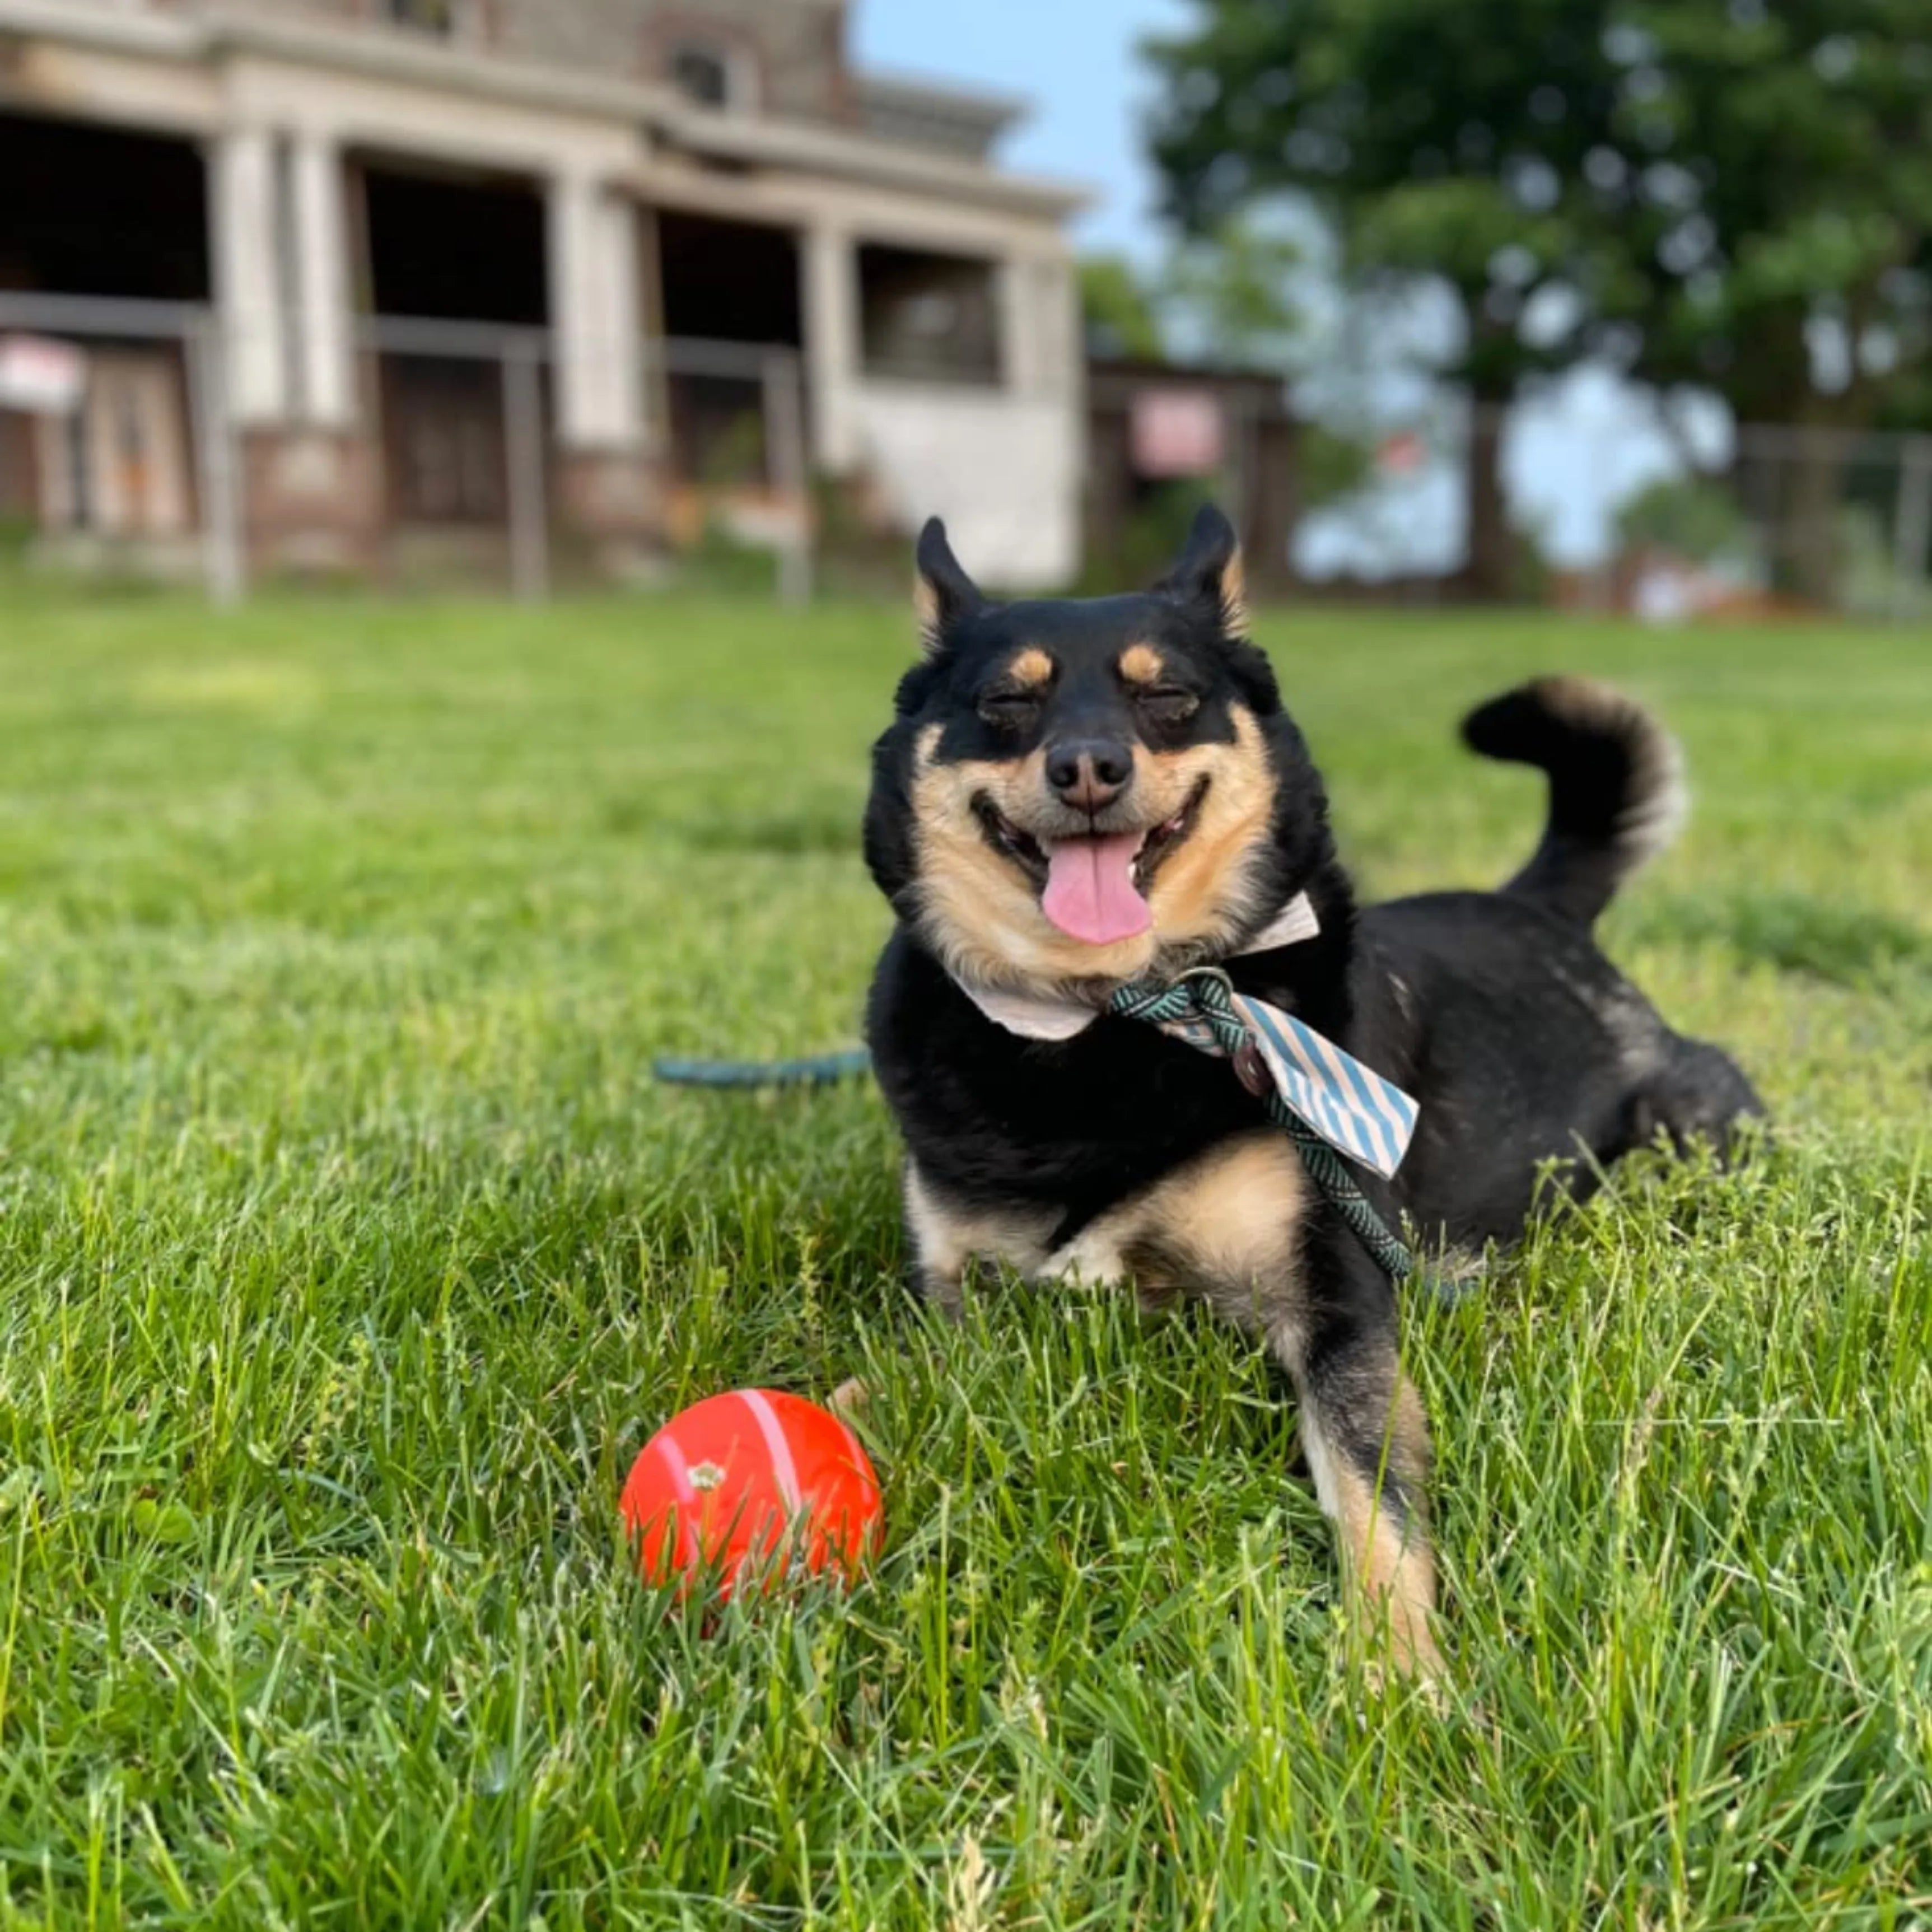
(1075, 795)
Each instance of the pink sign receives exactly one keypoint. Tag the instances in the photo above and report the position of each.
(1177, 432)
(40, 376)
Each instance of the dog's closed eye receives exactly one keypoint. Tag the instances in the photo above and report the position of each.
(1008, 710)
(1167, 704)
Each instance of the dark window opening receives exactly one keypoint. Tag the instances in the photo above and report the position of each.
(109, 213)
(456, 250)
(703, 74)
(728, 281)
(931, 318)
(443, 427)
(450, 247)
(717, 434)
(724, 281)
(426, 16)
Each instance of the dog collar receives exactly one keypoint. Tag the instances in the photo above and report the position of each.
(1034, 1017)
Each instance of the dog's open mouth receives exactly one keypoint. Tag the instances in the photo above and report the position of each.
(1094, 886)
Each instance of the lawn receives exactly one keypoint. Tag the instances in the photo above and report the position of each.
(348, 1254)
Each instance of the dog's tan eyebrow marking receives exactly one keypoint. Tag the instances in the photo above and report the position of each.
(1142, 663)
(1031, 669)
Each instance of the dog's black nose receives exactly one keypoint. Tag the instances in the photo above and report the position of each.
(1089, 773)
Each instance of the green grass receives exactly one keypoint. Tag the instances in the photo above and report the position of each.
(348, 1254)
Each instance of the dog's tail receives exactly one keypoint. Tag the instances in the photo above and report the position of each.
(1617, 793)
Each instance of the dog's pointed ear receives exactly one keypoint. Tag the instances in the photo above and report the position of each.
(942, 592)
(1208, 571)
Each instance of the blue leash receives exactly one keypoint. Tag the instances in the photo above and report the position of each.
(823, 1069)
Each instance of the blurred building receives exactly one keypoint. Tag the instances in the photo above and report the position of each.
(1160, 435)
(352, 184)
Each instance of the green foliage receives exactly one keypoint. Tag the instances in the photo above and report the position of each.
(1690, 517)
(1227, 297)
(1119, 310)
(1151, 537)
(349, 1255)
(721, 562)
(1694, 183)
(734, 455)
(1869, 580)
(1232, 292)
(853, 555)
(1773, 170)
(1416, 126)
(1720, 194)
(1334, 465)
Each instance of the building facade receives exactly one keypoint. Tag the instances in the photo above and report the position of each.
(351, 185)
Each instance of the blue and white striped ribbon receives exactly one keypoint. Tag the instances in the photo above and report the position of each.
(1326, 1101)
(1351, 1106)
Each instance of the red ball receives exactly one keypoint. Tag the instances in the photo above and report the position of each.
(754, 1475)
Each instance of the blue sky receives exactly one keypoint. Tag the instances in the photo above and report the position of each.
(1073, 58)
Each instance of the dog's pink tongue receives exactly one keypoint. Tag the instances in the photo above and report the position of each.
(1090, 894)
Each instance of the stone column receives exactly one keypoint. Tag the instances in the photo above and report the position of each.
(595, 322)
(606, 486)
(241, 176)
(1057, 318)
(618, 343)
(1041, 372)
(324, 336)
(1019, 340)
(1040, 323)
(654, 406)
(570, 221)
(1064, 369)
(832, 348)
(309, 484)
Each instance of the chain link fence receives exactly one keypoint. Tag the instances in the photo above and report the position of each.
(1609, 511)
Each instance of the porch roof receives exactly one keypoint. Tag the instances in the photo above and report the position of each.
(205, 34)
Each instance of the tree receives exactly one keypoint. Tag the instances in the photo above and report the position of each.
(1768, 170)
(1726, 194)
(1773, 173)
(1442, 138)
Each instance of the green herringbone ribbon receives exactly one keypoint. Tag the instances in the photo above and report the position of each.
(1199, 1009)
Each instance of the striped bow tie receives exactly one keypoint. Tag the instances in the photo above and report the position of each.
(1351, 1106)
(1323, 1098)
